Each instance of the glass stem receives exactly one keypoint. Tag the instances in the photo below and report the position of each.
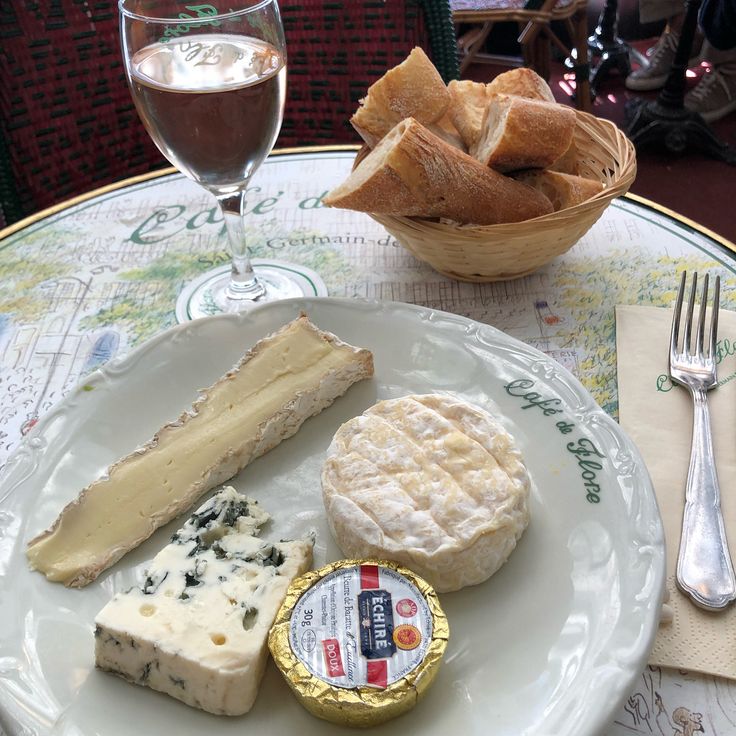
(243, 282)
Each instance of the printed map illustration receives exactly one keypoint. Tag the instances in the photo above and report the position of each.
(97, 279)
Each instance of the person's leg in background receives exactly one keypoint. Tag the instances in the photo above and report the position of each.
(715, 94)
(662, 56)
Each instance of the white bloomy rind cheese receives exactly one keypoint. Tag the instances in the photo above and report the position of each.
(198, 628)
(286, 378)
(431, 482)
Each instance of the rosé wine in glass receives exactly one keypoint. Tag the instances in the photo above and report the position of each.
(209, 85)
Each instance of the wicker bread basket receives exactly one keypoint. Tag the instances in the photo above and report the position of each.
(507, 251)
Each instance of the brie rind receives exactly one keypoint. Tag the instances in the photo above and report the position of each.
(431, 482)
(198, 627)
(287, 377)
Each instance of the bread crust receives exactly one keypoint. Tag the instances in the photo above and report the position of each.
(568, 163)
(468, 102)
(523, 82)
(563, 190)
(375, 186)
(415, 173)
(519, 133)
(445, 129)
(414, 88)
(468, 99)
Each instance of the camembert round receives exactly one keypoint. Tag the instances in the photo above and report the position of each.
(430, 481)
(359, 641)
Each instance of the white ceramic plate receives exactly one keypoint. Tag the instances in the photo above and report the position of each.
(551, 644)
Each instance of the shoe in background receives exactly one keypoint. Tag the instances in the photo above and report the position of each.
(661, 58)
(715, 94)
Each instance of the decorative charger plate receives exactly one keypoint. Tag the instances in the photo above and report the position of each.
(551, 644)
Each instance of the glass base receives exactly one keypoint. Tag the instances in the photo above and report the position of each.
(208, 295)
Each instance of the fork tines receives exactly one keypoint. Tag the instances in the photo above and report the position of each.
(704, 568)
(700, 334)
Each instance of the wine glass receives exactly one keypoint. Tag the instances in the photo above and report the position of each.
(209, 84)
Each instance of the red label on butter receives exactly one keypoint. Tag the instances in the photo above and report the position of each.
(333, 658)
(378, 673)
(368, 577)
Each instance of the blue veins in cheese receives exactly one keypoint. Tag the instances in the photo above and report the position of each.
(197, 629)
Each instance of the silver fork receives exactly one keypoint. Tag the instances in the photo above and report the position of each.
(704, 569)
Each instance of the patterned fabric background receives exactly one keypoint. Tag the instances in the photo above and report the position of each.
(68, 123)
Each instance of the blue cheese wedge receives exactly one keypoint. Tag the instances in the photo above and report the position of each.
(286, 378)
(198, 627)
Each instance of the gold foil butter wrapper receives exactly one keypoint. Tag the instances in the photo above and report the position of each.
(359, 641)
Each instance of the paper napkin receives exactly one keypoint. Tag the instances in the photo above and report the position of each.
(658, 418)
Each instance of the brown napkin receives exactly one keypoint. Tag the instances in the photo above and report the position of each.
(658, 418)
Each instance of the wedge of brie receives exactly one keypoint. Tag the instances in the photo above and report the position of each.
(197, 628)
(286, 378)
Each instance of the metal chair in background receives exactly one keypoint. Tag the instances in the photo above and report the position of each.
(537, 37)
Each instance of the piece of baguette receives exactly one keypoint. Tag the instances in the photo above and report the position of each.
(563, 190)
(569, 162)
(468, 102)
(413, 172)
(414, 88)
(519, 133)
(448, 132)
(523, 82)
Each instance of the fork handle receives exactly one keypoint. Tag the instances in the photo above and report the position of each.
(704, 569)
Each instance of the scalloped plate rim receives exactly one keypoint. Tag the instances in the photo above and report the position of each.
(514, 347)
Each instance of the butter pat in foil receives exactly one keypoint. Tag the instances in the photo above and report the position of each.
(359, 641)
